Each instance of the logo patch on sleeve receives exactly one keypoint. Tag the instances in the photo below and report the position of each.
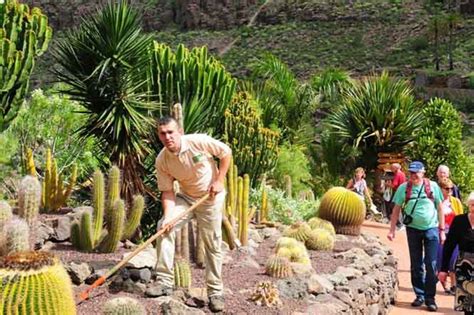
(198, 158)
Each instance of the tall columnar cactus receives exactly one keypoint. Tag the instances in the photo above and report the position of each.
(123, 305)
(24, 35)
(320, 239)
(299, 231)
(29, 199)
(5, 211)
(88, 233)
(254, 147)
(244, 210)
(30, 163)
(54, 194)
(264, 206)
(278, 267)
(344, 209)
(115, 228)
(35, 283)
(15, 236)
(182, 274)
(318, 223)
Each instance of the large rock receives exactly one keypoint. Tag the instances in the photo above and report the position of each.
(174, 307)
(78, 272)
(293, 288)
(142, 275)
(348, 273)
(319, 285)
(144, 259)
(326, 304)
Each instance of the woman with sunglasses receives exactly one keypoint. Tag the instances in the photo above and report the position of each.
(451, 206)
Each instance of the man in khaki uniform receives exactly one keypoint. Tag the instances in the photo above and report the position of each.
(189, 159)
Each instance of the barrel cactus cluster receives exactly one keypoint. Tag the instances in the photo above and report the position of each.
(123, 305)
(87, 233)
(299, 231)
(291, 257)
(35, 283)
(320, 239)
(344, 209)
(318, 223)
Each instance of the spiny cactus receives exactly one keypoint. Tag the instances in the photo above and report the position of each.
(286, 242)
(15, 236)
(299, 231)
(29, 198)
(88, 233)
(182, 274)
(278, 267)
(318, 223)
(320, 239)
(35, 283)
(294, 251)
(344, 209)
(123, 305)
(244, 210)
(266, 293)
(115, 228)
(5, 211)
(264, 206)
(24, 35)
(54, 194)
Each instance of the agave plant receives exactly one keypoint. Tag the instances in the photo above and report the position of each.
(103, 62)
(377, 114)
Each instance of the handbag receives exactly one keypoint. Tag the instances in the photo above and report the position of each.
(407, 218)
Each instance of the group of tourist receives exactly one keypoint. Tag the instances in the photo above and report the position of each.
(440, 235)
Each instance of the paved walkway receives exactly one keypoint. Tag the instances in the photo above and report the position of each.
(405, 293)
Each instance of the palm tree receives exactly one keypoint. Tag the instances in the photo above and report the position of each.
(102, 62)
(378, 114)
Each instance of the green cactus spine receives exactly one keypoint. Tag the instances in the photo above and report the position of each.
(15, 237)
(320, 239)
(115, 228)
(98, 196)
(344, 209)
(5, 211)
(24, 35)
(244, 210)
(182, 274)
(318, 223)
(134, 217)
(29, 198)
(299, 231)
(123, 305)
(35, 283)
(278, 267)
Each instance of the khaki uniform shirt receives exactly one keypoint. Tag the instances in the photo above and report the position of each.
(193, 167)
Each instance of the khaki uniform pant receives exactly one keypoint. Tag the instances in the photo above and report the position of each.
(209, 221)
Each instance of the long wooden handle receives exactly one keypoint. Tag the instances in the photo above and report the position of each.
(85, 294)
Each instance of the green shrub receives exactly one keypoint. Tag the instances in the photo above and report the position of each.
(419, 43)
(439, 142)
(292, 162)
(283, 209)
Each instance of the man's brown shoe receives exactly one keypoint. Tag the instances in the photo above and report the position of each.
(216, 303)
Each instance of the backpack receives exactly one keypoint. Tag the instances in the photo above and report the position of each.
(428, 192)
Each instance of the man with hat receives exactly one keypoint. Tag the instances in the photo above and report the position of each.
(421, 201)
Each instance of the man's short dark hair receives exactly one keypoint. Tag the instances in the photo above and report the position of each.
(165, 120)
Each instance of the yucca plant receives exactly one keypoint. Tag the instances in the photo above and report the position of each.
(103, 62)
(330, 83)
(378, 114)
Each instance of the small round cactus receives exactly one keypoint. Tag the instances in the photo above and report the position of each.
(286, 242)
(318, 223)
(298, 231)
(29, 198)
(320, 239)
(5, 211)
(296, 253)
(344, 209)
(15, 237)
(266, 294)
(123, 306)
(278, 267)
(35, 283)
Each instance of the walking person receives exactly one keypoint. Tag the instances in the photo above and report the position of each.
(398, 179)
(451, 208)
(461, 234)
(189, 159)
(423, 216)
(443, 172)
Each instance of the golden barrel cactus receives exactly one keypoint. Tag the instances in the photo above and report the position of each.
(278, 267)
(320, 239)
(318, 223)
(35, 283)
(299, 231)
(344, 209)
